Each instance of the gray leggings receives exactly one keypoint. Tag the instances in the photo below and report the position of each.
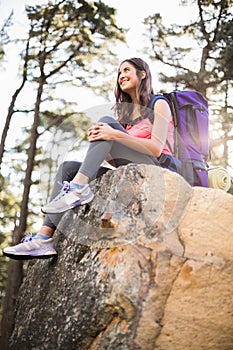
(97, 152)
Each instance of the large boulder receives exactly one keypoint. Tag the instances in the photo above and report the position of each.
(148, 265)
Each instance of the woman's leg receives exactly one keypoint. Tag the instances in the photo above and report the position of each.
(66, 172)
(120, 154)
(78, 192)
(42, 245)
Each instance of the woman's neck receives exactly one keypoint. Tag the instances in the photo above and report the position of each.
(134, 97)
(136, 112)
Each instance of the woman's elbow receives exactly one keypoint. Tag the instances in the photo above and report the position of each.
(157, 154)
(157, 148)
(157, 151)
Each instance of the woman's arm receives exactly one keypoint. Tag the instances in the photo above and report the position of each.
(153, 146)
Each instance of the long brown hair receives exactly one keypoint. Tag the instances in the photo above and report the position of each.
(124, 104)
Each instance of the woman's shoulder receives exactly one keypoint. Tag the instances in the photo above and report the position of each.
(155, 98)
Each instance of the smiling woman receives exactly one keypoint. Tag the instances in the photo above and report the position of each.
(133, 73)
(127, 79)
(134, 137)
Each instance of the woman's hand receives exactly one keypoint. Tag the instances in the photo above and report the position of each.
(101, 131)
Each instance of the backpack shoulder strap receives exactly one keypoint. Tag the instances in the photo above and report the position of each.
(155, 98)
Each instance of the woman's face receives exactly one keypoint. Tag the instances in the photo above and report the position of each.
(127, 77)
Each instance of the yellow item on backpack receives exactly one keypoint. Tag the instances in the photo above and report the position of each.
(218, 177)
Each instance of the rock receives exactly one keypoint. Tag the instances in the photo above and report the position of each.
(148, 265)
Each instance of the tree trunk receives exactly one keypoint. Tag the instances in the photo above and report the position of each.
(14, 272)
(12, 104)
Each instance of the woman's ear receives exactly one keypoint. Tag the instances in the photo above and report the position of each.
(143, 74)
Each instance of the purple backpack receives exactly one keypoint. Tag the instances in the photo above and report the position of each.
(190, 112)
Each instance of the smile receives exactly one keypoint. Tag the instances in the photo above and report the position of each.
(124, 81)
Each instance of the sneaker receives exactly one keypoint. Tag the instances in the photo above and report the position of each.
(31, 248)
(68, 198)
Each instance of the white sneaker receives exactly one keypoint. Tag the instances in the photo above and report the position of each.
(31, 247)
(68, 198)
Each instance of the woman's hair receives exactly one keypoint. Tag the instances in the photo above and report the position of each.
(124, 104)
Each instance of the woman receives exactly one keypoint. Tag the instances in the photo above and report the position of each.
(136, 137)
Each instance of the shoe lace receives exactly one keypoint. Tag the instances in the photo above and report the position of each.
(28, 237)
(65, 189)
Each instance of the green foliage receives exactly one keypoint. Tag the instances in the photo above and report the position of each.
(9, 208)
(4, 37)
(73, 38)
(210, 34)
(9, 204)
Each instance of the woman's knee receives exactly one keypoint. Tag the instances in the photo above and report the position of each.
(112, 122)
(107, 119)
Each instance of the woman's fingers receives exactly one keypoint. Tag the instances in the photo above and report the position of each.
(100, 131)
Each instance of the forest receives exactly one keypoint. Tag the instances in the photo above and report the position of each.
(71, 43)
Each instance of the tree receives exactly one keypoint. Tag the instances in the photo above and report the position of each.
(68, 41)
(4, 37)
(203, 61)
(9, 202)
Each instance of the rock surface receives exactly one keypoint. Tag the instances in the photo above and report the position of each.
(148, 265)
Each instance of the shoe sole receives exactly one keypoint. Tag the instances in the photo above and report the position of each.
(29, 257)
(85, 201)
